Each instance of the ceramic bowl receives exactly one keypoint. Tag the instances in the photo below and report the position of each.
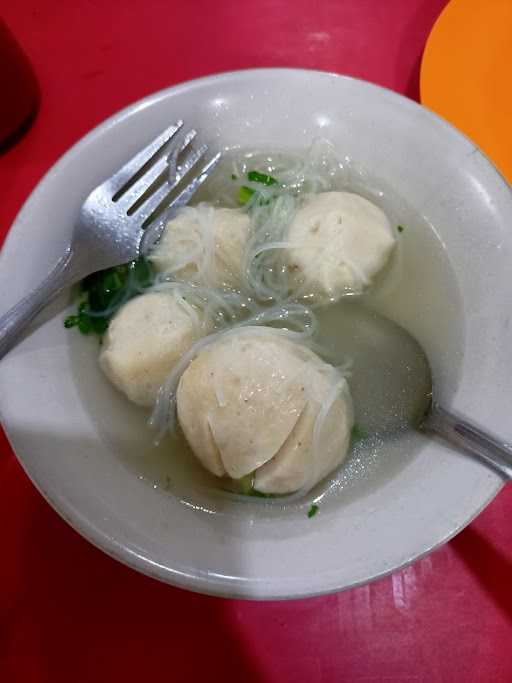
(77, 463)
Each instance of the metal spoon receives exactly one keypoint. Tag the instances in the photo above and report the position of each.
(392, 382)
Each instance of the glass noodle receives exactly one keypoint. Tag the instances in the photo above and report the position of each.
(265, 297)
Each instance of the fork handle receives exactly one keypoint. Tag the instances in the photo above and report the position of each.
(12, 324)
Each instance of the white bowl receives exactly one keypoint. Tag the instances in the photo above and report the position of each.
(76, 467)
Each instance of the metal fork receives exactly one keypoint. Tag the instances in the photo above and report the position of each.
(120, 220)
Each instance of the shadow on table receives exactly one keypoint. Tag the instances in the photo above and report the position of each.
(87, 615)
(490, 566)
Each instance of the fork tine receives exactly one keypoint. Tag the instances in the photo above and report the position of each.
(153, 201)
(187, 165)
(186, 194)
(143, 184)
(188, 139)
(155, 229)
(120, 181)
(130, 197)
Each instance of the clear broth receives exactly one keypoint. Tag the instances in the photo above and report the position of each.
(418, 290)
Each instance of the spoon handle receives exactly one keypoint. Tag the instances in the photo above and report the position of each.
(470, 438)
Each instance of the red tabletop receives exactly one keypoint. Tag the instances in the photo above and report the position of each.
(70, 613)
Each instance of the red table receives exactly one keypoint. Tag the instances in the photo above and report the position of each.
(70, 613)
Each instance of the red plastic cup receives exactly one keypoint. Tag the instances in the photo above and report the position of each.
(18, 85)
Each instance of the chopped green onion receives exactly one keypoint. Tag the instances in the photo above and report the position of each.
(246, 485)
(244, 195)
(260, 494)
(71, 321)
(312, 510)
(234, 177)
(358, 434)
(84, 324)
(105, 291)
(400, 228)
(99, 325)
(263, 178)
(142, 271)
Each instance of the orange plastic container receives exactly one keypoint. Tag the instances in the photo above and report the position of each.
(465, 74)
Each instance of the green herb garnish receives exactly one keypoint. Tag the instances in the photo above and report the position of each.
(313, 510)
(244, 195)
(245, 485)
(263, 178)
(358, 434)
(234, 177)
(260, 494)
(400, 228)
(71, 321)
(105, 291)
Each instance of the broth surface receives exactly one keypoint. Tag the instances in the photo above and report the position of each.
(417, 289)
